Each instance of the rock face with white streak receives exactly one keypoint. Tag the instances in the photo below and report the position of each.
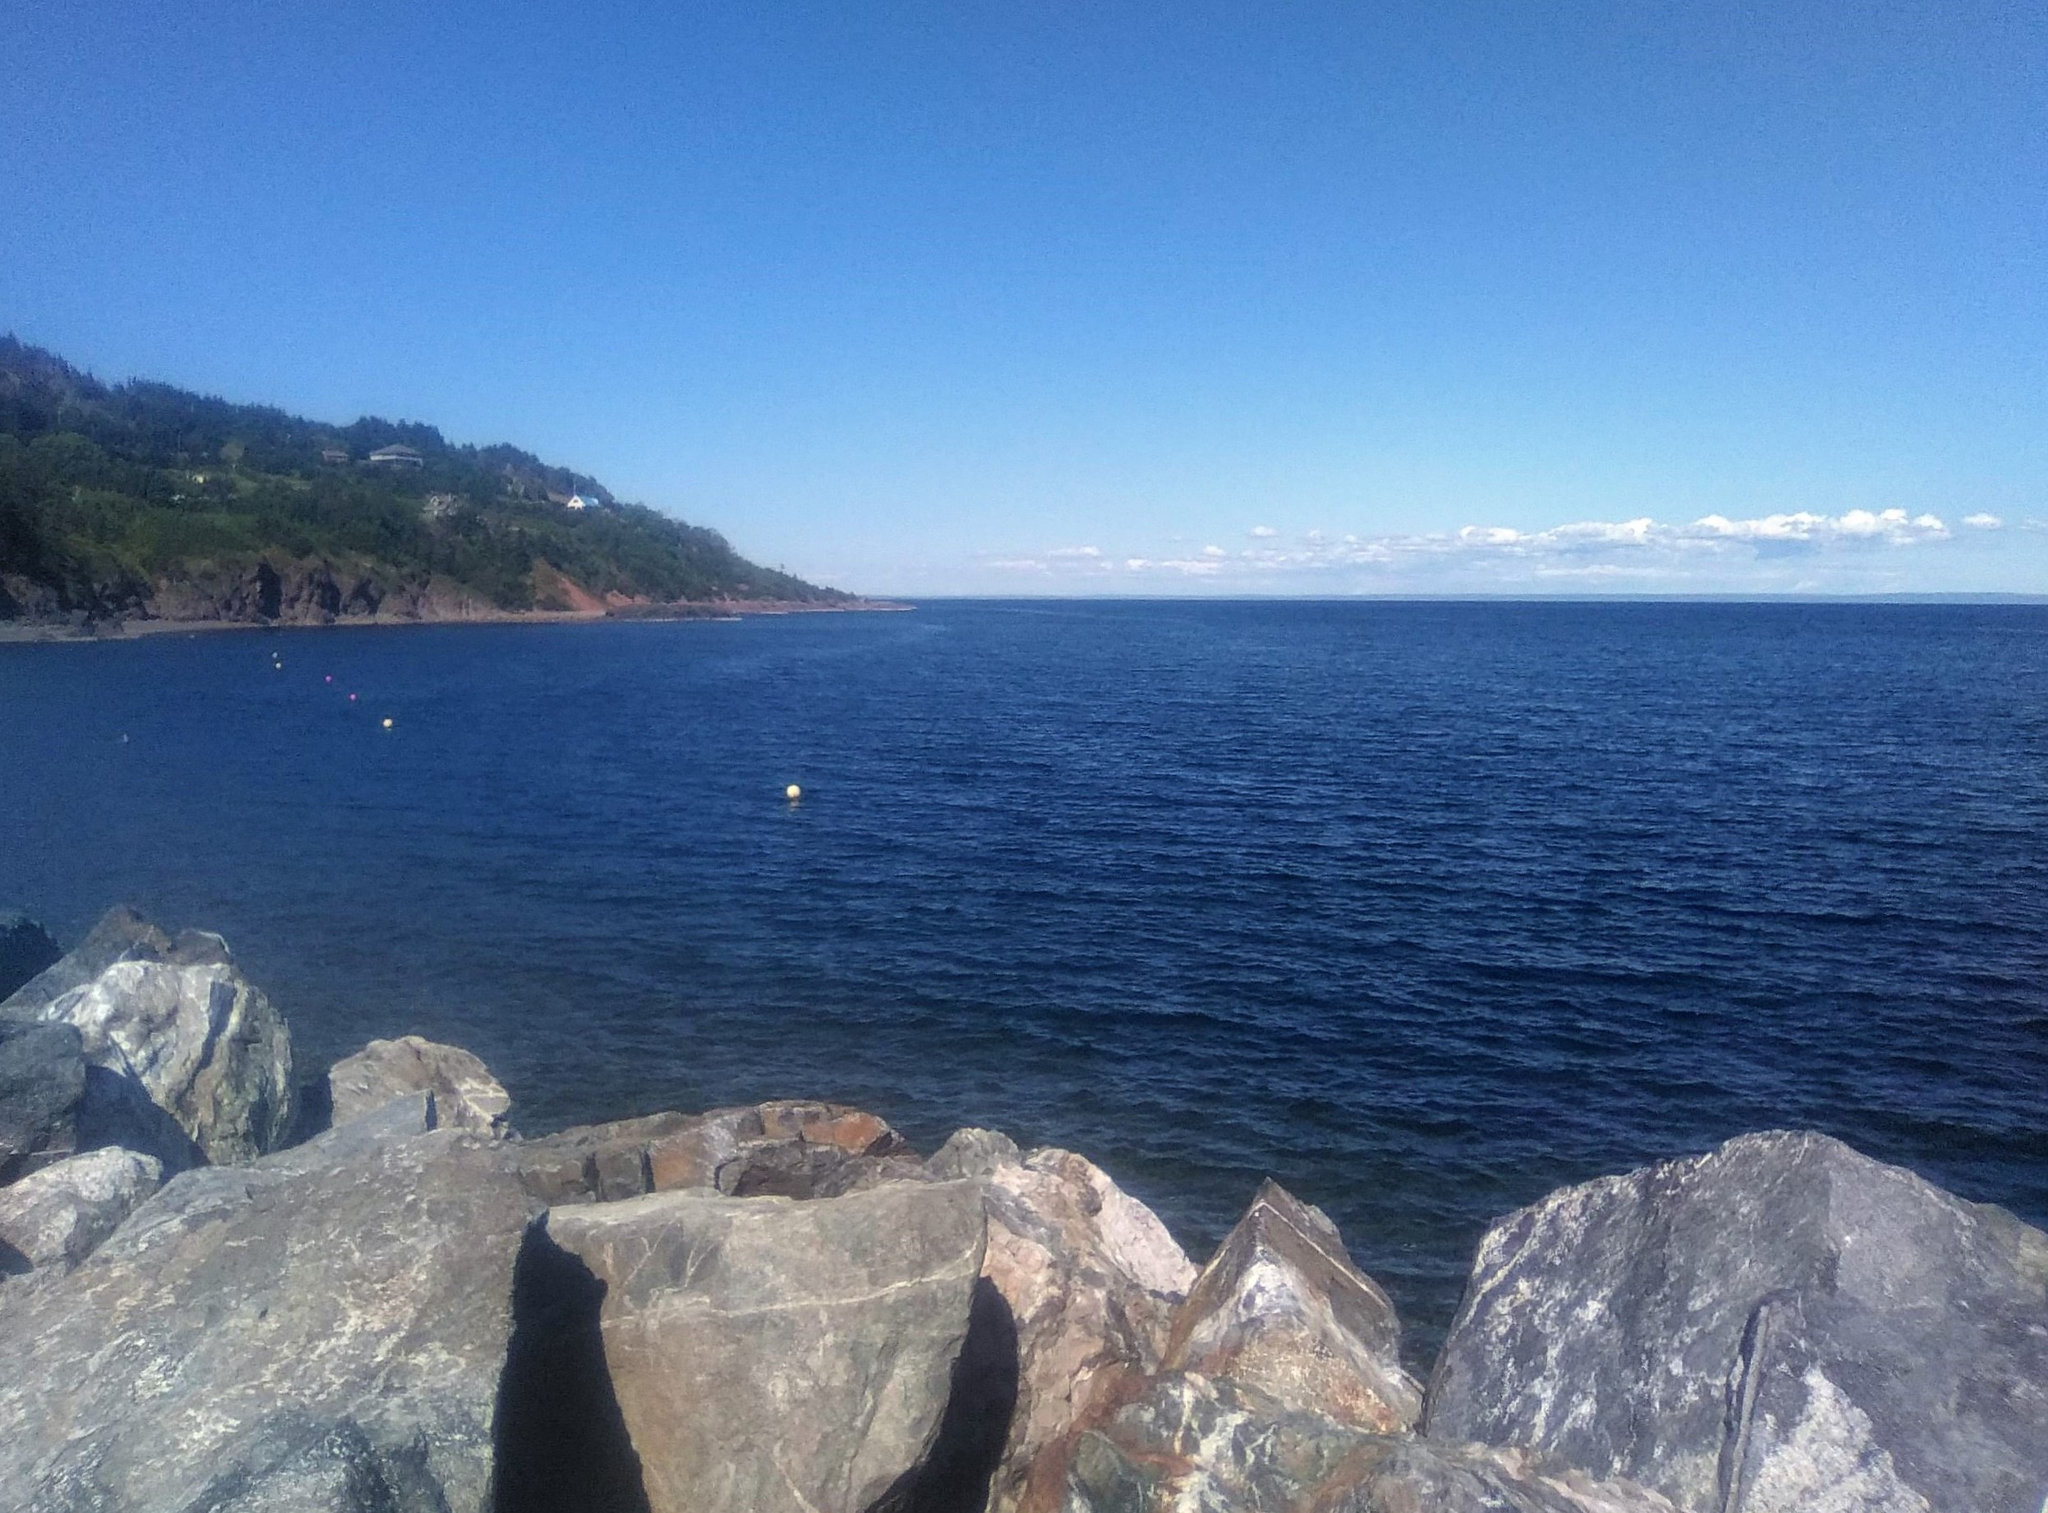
(53, 1103)
(180, 1019)
(335, 1317)
(1779, 1325)
(775, 1354)
(466, 1095)
(57, 1216)
(1090, 1278)
(1280, 1308)
(1188, 1442)
(120, 935)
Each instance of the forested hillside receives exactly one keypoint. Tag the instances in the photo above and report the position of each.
(140, 500)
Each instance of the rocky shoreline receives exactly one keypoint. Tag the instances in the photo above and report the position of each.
(226, 1286)
(122, 628)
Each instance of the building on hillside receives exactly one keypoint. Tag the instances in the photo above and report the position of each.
(580, 502)
(334, 456)
(397, 457)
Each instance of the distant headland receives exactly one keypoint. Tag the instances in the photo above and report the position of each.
(138, 506)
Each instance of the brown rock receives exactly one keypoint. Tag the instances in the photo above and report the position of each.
(590, 1163)
(770, 1354)
(787, 1149)
(1281, 1308)
(1091, 1278)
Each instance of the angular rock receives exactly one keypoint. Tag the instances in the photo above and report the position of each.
(772, 1354)
(1090, 1278)
(466, 1095)
(295, 1464)
(117, 1110)
(347, 1304)
(1780, 1324)
(42, 1079)
(973, 1153)
(25, 950)
(120, 935)
(181, 1019)
(57, 1216)
(54, 1104)
(783, 1149)
(1188, 1442)
(596, 1162)
(1281, 1308)
(788, 1148)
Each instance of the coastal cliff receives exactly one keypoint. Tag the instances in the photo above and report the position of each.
(228, 1285)
(140, 503)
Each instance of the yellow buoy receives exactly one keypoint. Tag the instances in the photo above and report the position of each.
(792, 793)
(387, 722)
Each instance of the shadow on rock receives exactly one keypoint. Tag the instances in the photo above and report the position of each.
(955, 1475)
(558, 1437)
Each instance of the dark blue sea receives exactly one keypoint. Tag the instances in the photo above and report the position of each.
(1422, 909)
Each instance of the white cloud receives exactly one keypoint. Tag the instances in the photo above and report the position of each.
(1644, 551)
(1983, 522)
(1804, 525)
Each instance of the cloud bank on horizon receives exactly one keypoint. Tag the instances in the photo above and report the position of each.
(1857, 550)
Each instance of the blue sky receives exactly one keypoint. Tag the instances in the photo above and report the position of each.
(1053, 298)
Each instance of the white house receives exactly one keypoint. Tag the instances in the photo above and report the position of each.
(581, 501)
(397, 456)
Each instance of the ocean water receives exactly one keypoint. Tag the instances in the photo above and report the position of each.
(1423, 909)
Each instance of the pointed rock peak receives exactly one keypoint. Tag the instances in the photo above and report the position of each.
(1281, 1308)
(1304, 1218)
(974, 1153)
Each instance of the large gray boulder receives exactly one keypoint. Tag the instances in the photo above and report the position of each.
(773, 1354)
(466, 1095)
(55, 1217)
(1089, 1279)
(121, 934)
(331, 1323)
(1281, 1308)
(1780, 1324)
(178, 1017)
(1189, 1443)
